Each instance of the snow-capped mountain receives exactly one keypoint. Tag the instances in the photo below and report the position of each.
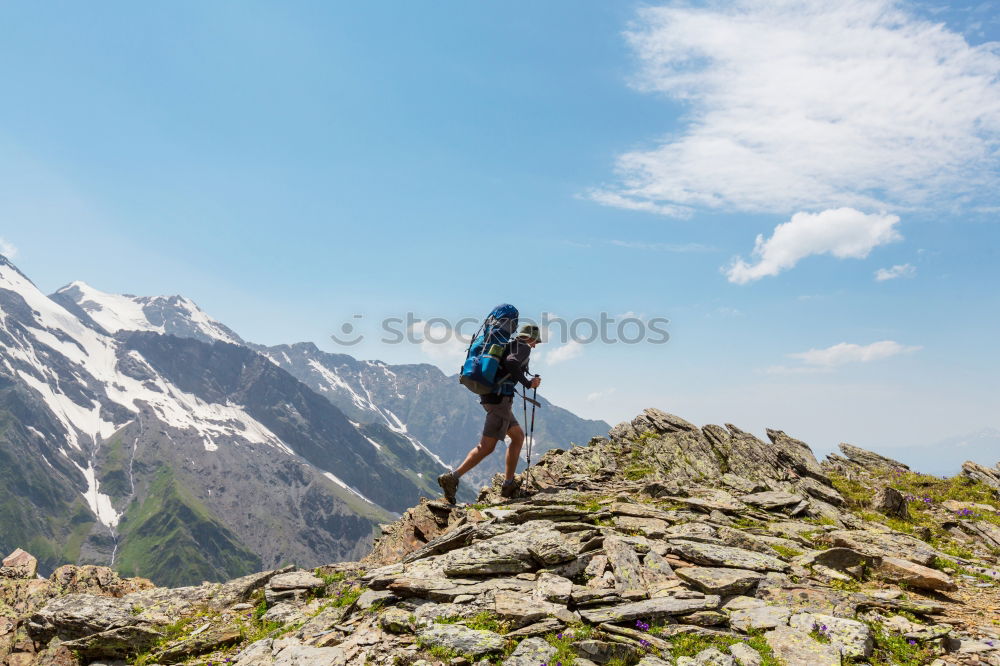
(420, 402)
(178, 458)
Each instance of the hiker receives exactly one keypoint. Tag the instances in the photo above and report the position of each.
(500, 421)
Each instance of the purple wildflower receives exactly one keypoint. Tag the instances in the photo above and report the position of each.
(644, 643)
(911, 642)
(559, 636)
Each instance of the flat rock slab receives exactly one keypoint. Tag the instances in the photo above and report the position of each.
(530, 652)
(745, 655)
(649, 609)
(771, 499)
(304, 655)
(840, 559)
(475, 642)
(853, 638)
(296, 580)
(880, 544)
(762, 617)
(722, 581)
(792, 646)
(626, 567)
(725, 556)
(899, 570)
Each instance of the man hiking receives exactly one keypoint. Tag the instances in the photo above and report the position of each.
(500, 421)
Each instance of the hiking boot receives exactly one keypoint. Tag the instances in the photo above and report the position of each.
(509, 488)
(449, 484)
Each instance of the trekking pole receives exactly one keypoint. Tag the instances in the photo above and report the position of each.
(531, 436)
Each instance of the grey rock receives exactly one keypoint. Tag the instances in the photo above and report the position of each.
(745, 655)
(899, 570)
(304, 655)
(650, 660)
(840, 559)
(530, 652)
(550, 587)
(882, 544)
(713, 657)
(295, 580)
(396, 621)
(475, 642)
(725, 556)
(657, 608)
(259, 653)
(626, 567)
(890, 502)
(369, 598)
(793, 646)
(762, 617)
(601, 652)
(722, 581)
(988, 475)
(283, 613)
(771, 499)
(853, 638)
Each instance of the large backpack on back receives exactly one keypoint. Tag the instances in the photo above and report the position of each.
(482, 360)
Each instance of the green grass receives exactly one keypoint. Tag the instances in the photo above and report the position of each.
(637, 472)
(894, 650)
(744, 522)
(563, 642)
(856, 493)
(942, 564)
(688, 645)
(845, 586)
(786, 551)
(173, 539)
(332, 578)
(591, 505)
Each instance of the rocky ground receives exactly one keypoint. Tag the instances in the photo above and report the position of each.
(663, 543)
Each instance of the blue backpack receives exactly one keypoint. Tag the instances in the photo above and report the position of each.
(482, 360)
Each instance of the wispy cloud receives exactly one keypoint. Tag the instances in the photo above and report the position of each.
(664, 247)
(846, 352)
(897, 271)
(842, 232)
(7, 248)
(827, 360)
(567, 352)
(800, 105)
(598, 395)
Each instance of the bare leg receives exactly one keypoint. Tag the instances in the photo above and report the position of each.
(476, 455)
(513, 451)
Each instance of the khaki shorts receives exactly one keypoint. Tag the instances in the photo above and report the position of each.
(499, 419)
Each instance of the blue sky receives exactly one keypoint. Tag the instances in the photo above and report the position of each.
(287, 165)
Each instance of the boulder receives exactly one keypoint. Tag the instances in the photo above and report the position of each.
(461, 639)
(295, 580)
(771, 499)
(761, 617)
(626, 567)
(890, 502)
(601, 652)
(530, 652)
(19, 564)
(745, 655)
(649, 609)
(725, 556)
(721, 581)
(882, 544)
(305, 655)
(853, 638)
(902, 571)
(713, 657)
(793, 646)
(987, 475)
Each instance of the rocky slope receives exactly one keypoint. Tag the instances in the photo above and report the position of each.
(663, 543)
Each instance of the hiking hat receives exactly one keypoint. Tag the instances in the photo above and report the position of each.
(529, 331)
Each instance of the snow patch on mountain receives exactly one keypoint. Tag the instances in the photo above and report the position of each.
(98, 502)
(347, 487)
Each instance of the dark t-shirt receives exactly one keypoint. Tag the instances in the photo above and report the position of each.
(513, 366)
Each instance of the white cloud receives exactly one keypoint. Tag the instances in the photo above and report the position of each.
(794, 104)
(845, 352)
(897, 271)
(598, 395)
(567, 352)
(440, 344)
(842, 232)
(7, 249)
